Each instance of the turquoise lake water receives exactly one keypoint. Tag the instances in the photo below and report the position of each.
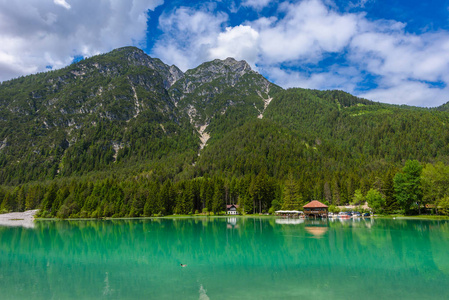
(227, 258)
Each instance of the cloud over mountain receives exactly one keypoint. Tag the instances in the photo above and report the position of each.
(37, 34)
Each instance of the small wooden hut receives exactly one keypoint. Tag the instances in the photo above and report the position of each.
(315, 209)
(232, 209)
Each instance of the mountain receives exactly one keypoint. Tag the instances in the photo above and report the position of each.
(123, 106)
(130, 116)
(90, 115)
(221, 95)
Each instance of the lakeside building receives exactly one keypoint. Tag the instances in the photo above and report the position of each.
(232, 209)
(315, 209)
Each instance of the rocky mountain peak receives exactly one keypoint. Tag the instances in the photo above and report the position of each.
(217, 68)
(226, 72)
(241, 66)
(137, 57)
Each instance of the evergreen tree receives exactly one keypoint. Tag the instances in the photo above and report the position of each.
(49, 198)
(407, 186)
(218, 202)
(7, 204)
(327, 193)
(391, 204)
(336, 200)
(292, 199)
(167, 196)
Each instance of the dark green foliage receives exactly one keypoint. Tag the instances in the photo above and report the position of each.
(407, 186)
(375, 200)
(97, 114)
(292, 198)
(391, 204)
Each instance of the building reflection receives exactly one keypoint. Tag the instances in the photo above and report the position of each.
(289, 221)
(317, 228)
(232, 223)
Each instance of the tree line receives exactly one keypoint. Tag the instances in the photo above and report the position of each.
(413, 189)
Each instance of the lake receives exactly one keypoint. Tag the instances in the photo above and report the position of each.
(226, 258)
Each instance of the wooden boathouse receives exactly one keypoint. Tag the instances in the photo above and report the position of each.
(315, 209)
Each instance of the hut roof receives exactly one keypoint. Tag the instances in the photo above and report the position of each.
(315, 204)
(228, 206)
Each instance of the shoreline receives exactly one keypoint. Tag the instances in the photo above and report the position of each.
(199, 216)
(18, 219)
(26, 219)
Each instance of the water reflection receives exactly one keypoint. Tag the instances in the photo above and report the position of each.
(141, 259)
(317, 231)
(232, 223)
(295, 221)
(317, 228)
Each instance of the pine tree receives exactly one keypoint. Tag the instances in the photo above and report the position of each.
(388, 191)
(49, 198)
(218, 202)
(292, 199)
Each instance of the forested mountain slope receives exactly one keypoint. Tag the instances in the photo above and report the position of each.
(127, 115)
(330, 138)
(100, 111)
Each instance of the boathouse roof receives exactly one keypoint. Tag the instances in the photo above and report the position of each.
(315, 204)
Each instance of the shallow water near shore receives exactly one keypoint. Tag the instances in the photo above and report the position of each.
(226, 258)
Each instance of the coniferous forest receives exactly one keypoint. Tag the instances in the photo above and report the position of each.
(124, 135)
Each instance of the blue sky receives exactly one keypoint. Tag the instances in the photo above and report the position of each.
(392, 51)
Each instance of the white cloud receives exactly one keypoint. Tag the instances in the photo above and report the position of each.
(335, 78)
(188, 36)
(240, 42)
(36, 33)
(416, 93)
(405, 65)
(308, 30)
(63, 3)
(401, 55)
(192, 37)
